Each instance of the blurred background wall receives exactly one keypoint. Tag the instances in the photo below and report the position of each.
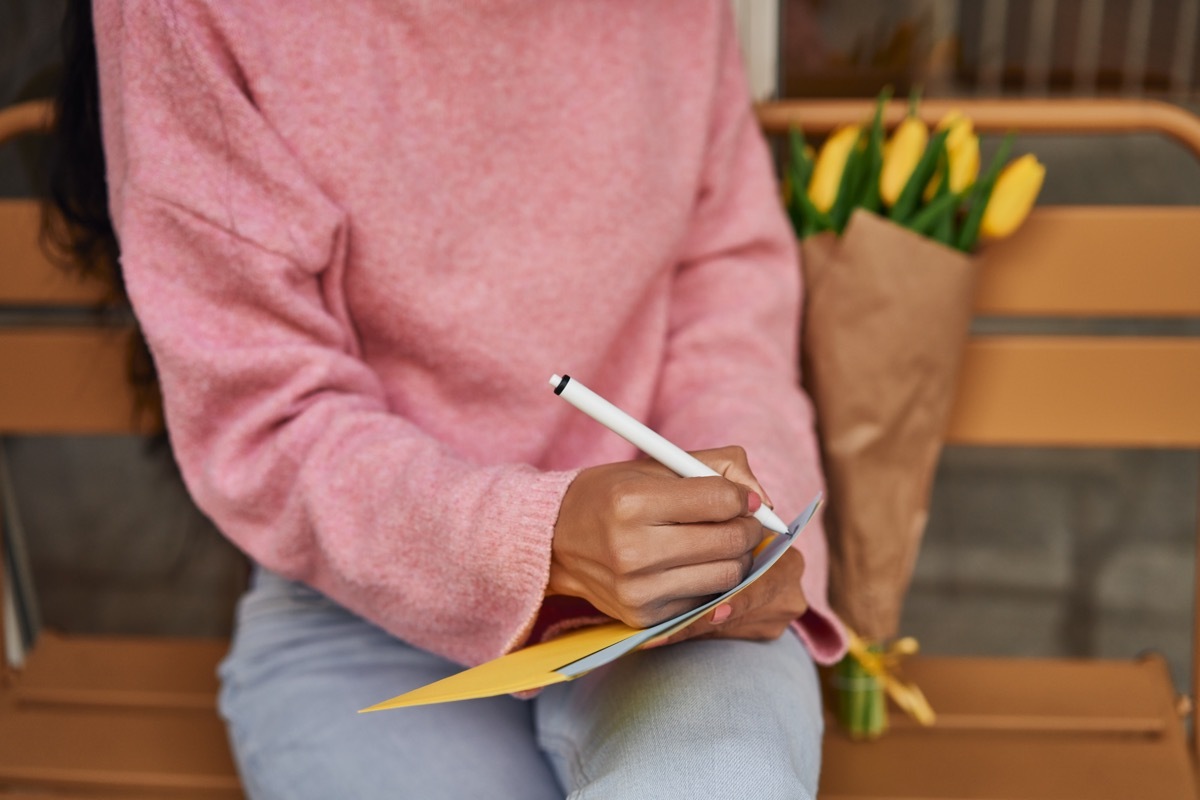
(1027, 552)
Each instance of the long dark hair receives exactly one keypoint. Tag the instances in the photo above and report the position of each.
(77, 230)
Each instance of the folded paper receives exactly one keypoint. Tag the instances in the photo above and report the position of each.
(578, 652)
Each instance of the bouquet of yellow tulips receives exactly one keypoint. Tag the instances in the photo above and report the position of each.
(928, 183)
(886, 227)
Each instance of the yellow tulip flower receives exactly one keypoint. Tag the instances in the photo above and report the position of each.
(900, 157)
(959, 125)
(1012, 198)
(964, 162)
(962, 151)
(827, 172)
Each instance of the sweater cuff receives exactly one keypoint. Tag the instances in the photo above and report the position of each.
(823, 635)
(540, 506)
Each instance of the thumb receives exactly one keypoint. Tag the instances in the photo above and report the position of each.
(731, 463)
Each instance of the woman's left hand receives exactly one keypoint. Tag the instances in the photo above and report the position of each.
(762, 611)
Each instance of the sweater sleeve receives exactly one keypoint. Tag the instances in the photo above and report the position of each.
(732, 369)
(234, 260)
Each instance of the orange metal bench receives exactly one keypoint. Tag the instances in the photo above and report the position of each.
(1052, 728)
(128, 717)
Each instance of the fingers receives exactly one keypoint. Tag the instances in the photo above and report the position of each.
(762, 611)
(649, 599)
(705, 580)
(676, 500)
(732, 624)
(733, 465)
(667, 547)
(642, 545)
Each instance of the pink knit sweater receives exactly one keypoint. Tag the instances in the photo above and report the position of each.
(361, 236)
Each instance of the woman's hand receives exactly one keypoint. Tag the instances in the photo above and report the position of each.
(642, 544)
(762, 611)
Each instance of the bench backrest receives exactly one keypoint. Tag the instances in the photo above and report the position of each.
(1072, 263)
(64, 365)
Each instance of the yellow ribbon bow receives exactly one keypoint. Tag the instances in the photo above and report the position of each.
(884, 668)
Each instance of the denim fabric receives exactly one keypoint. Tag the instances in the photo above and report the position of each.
(702, 719)
(726, 719)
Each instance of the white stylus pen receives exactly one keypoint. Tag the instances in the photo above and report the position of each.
(670, 456)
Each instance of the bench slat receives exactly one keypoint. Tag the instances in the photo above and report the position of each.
(1074, 261)
(1077, 391)
(29, 278)
(1001, 765)
(1042, 694)
(121, 671)
(1095, 261)
(66, 380)
(164, 755)
(1023, 729)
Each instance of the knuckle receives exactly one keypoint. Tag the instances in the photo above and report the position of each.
(625, 506)
(633, 597)
(732, 540)
(638, 621)
(752, 532)
(728, 452)
(723, 499)
(642, 617)
(729, 573)
(625, 556)
(737, 538)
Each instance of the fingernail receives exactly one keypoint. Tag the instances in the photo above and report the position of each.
(753, 501)
(721, 613)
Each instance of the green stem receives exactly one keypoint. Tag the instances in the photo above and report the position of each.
(806, 219)
(928, 219)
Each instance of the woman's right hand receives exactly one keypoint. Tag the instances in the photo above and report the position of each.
(642, 544)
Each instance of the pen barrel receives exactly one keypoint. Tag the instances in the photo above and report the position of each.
(652, 444)
(643, 438)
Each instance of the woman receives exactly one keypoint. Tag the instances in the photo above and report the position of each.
(359, 237)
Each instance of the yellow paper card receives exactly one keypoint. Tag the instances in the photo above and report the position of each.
(580, 651)
(529, 668)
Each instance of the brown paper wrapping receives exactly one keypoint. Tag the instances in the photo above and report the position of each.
(886, 319)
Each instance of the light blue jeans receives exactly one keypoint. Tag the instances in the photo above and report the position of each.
(704, 719)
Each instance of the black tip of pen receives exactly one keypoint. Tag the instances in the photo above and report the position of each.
(562, 384)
